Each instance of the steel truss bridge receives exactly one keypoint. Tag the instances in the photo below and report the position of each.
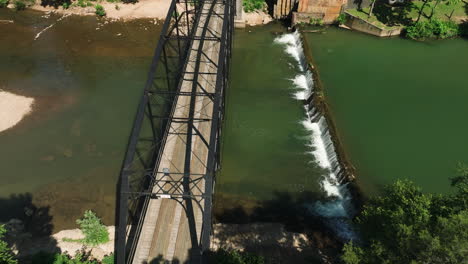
(167, 178)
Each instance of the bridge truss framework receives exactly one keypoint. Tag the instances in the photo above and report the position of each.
(140, 179)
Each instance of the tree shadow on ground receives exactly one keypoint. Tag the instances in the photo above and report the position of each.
(161, 260)
(281, 229)
(55, 3)
(393, 15)
(29, 227)
(464, 29)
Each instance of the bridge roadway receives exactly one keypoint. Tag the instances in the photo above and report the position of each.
(167, 232)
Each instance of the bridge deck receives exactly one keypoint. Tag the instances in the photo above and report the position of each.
(167, 231)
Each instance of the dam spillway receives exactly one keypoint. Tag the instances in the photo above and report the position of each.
(323, 142)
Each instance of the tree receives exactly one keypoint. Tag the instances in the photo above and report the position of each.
(371, 8)
(6, 256)
(95, 232)
(406, 226)
(236, 257)
(421, 10)
(453, 3)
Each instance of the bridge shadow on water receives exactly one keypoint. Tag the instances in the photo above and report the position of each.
(281, 229)
(29, 227)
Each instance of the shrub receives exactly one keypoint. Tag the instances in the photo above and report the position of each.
(19, 5)
(95, 232)
(100, 10)
(108, 259)
(3, 3)
(463, 28)
(252, 5)
(6, 256)
(129, 1)
(316, 22)
(236, 257)
(341, 19)
(81, 3)
(432, 29)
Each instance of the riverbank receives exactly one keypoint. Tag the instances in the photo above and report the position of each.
(13, 108)
(156, 9)
(25, 244)
(385, 20)
(270, 240)
(142, 9)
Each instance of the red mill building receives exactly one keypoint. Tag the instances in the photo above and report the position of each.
(326, 10)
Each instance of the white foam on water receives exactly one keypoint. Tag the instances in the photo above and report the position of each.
(50, 26)
(338, 208)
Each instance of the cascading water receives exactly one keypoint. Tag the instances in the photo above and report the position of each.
(338, 209)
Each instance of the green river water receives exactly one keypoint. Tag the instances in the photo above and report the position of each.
(87, 76)
(400, 106)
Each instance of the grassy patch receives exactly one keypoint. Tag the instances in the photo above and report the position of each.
(65, 239)
(364, 15)
(253, 5)
(387, 16)
(442, 11)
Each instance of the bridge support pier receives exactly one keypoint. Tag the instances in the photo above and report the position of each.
(239, 21)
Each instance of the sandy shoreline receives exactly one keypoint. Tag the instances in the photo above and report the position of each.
(143, 9)
(156, 9)
(13, 108)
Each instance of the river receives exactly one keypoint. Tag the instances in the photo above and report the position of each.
(86, 78)
(400, 105)
(398, 115)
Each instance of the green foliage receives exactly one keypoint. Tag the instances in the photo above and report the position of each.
(81, 3)
(79, 258)
(108, 259)
(316, 22)
(6, 256)
(100, 10)
(434, 28)
(19, 5)
(130, 1)
(63, 258)
(341, 19)
(406, 226)
(4, 3)
(95, 232)
(352, 254)
(236, 257)
(253, 5)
